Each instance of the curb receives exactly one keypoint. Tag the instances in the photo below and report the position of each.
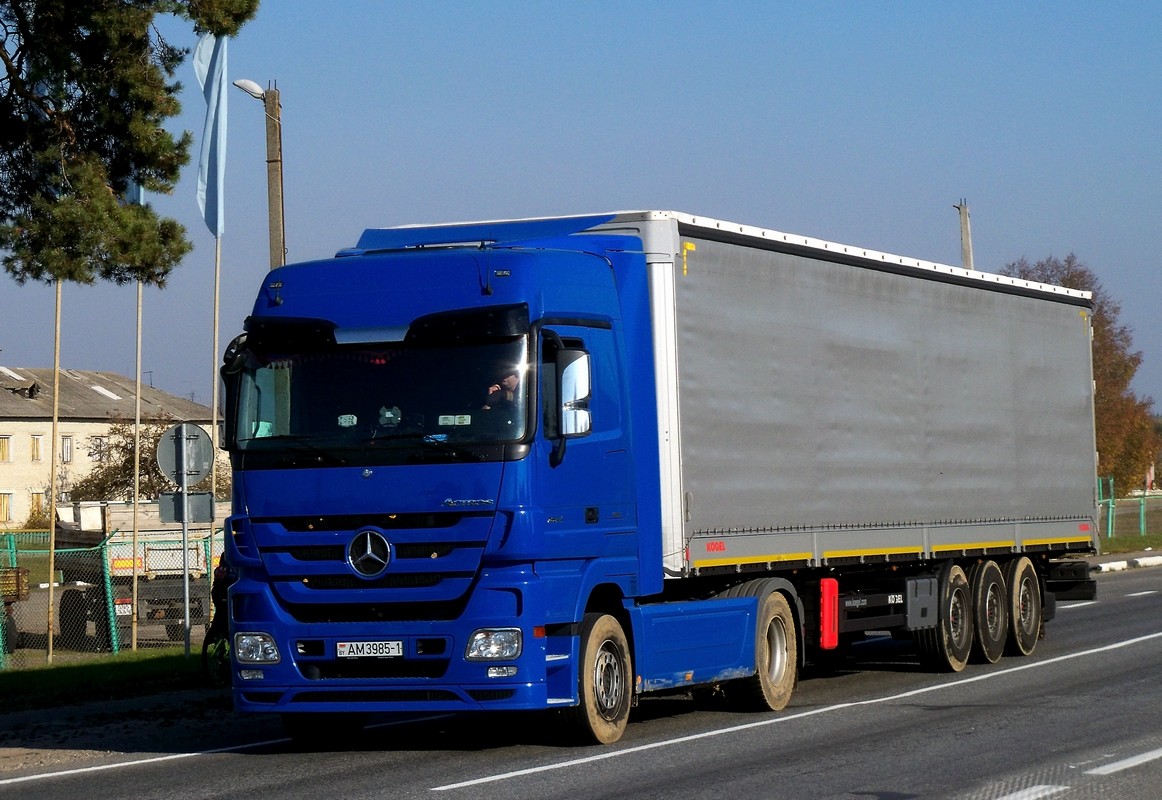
(1134, 563)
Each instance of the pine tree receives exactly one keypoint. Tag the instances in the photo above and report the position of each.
(84, 95)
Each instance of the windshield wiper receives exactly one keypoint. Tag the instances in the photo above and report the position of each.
(437, 443)
(306, 443)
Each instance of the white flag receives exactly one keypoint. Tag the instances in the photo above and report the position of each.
(210, 67)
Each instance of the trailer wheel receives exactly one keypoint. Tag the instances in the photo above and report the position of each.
(949, 644)
(603, 681)
(990, 611)
(776, 659)
(1024, 600)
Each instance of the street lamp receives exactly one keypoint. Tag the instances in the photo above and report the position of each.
(269, 97)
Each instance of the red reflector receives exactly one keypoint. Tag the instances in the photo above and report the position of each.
(828, 613)
(539, 632)
(1083, 527)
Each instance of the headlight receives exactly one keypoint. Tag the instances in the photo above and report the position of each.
(494, 644)
(255, 648)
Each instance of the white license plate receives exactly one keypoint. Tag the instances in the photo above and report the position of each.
(392, 649)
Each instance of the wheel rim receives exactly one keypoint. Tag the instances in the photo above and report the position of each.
(776, 650)
(1025, 603)
(993, 611)
(608, 680)
(957, 619)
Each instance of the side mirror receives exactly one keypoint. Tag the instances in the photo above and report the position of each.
(235, 356)
(233, 360)
(573, 366)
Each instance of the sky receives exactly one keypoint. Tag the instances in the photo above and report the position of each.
(862, 123)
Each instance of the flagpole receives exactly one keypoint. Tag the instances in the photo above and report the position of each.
(214, 364)
(210, 68)
(136, 468)
(56, 393)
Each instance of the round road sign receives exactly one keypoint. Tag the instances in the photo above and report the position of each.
(198, 449)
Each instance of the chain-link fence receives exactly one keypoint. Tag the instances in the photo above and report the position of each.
(1139, 513)
(106, 598)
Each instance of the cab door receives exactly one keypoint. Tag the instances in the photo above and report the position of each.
(582, 467)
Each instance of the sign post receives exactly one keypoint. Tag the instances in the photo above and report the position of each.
(185, 454)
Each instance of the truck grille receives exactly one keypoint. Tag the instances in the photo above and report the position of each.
(434, 558)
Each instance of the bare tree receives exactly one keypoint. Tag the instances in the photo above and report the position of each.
(112, 478)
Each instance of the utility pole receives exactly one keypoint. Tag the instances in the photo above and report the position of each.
(270, 101)
(965, 234)
(274, 176)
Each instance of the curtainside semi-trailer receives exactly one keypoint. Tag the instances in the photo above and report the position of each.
(559, 463)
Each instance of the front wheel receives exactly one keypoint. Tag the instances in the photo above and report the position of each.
(216, 659)
(603, 681)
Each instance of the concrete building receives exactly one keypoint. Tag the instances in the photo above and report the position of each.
(89, 403)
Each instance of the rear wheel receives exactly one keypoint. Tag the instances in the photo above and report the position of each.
(1024, 605)
(949, 644)
(776, 659)
(11, 632)
(74, 619)
(604, 683)
(989, 611)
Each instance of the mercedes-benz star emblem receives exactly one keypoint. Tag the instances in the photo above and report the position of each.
(369, 553)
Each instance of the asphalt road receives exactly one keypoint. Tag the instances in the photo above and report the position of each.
(1079, 719)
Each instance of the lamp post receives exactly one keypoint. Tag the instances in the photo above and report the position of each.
(269, 98)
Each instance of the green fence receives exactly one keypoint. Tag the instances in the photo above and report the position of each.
(87, 604)
(1139, 513)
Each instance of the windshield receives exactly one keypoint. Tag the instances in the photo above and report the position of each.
(357, 396)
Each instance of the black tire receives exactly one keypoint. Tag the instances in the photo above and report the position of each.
(1024, 606)
(604, 682)
(11, 633)
(949, 644)
(990, 612)
(776, 659)
(74, 620)
(324, 730)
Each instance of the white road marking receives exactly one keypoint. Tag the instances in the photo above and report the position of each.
(1035, 792)
(174, 756)
(1126, 763)
(1143, 594)
(155, 760)
(1072, 606)
(504, 776)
